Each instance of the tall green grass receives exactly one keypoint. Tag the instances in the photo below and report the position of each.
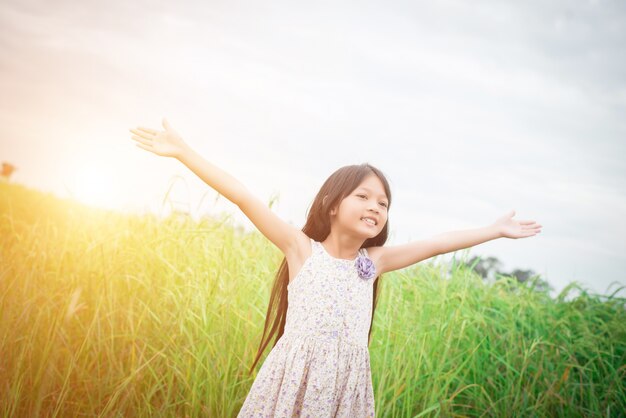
(108, 314)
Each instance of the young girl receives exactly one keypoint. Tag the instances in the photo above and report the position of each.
(325, 290)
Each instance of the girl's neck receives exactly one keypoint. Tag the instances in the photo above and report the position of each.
(342, 246)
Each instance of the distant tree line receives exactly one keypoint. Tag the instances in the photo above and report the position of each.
(490, 269)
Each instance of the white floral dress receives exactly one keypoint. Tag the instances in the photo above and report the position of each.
(320, 367)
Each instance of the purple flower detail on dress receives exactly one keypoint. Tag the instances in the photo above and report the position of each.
(365, 266)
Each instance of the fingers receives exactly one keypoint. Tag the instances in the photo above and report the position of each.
(532, 230)
(166, 124)
(144, 147)
(534, 223)
(141, 140)
(530, 225)
(148, 130)
(142, 133)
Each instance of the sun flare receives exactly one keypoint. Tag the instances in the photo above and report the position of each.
(94, 184)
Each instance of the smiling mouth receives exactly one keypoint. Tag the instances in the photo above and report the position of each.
(370, 222)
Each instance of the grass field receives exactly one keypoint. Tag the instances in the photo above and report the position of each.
(108, 314)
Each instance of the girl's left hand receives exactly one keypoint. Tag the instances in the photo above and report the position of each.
(167, 143)
(510, 228)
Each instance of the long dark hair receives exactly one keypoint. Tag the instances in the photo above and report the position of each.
(340, 184)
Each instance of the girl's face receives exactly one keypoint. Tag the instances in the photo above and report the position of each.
(368, 200)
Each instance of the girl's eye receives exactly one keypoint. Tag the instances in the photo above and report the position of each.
(362, 195)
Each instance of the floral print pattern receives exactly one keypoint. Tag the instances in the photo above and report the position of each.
(320, 367)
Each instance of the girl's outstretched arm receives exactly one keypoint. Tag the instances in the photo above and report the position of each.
(503, 227)
(400, 256)
(169, 143)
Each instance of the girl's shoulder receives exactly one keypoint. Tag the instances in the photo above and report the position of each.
(302, 250)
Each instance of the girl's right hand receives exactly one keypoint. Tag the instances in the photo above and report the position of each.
(167, 143)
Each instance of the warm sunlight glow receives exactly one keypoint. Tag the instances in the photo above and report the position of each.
(94, 184)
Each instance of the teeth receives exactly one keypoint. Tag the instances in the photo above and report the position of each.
(369, 221)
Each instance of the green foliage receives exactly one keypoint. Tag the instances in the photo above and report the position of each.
(117, 315)
(488, 267)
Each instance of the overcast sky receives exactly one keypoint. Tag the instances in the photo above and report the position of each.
(471, 109)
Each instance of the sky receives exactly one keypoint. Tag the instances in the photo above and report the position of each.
(470, 109)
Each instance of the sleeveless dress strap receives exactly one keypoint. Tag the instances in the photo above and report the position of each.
(314, 246)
